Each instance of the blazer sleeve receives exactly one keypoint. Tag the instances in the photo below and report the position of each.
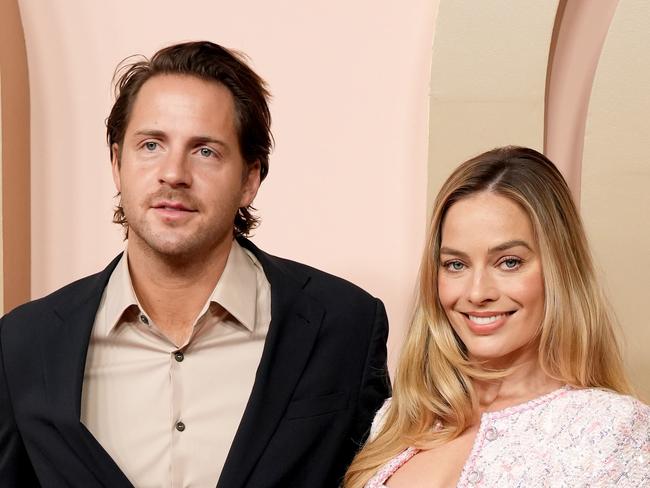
(15, 466)
(375, 382)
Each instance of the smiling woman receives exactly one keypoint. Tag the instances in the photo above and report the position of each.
(490, 280)
(510, 374)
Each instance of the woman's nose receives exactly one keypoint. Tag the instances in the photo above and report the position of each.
(482, 288)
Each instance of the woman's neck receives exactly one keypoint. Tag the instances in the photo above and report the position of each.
(525, 381)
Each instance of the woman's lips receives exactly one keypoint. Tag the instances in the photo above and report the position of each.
(483, 323)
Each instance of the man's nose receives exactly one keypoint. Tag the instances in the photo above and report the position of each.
(482, 288)
(176, 170)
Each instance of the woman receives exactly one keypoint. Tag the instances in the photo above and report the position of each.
(510, 374)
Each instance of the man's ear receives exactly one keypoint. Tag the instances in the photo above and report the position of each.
(115, 166)
(252, 181)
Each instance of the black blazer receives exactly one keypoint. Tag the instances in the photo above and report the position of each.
(320, 380)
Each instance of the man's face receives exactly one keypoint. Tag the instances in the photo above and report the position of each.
(181, 174)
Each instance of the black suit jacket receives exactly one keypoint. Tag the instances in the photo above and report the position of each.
(320, 380)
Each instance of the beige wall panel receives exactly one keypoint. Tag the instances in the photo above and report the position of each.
(616, 178)
(488, 79)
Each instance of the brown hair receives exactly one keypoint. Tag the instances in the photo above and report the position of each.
(578, 336)
(210, 62)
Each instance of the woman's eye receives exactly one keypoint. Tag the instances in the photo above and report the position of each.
(206, 152)
(511, 263)
(454, 266)
(150, 145)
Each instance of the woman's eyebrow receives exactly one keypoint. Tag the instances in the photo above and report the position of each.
(493, 250)
(453, 252)
(508, 245)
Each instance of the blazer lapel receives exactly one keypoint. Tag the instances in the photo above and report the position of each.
(295, 321)
(64, 347)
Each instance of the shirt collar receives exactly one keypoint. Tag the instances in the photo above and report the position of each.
(119, 295)
(236, 290)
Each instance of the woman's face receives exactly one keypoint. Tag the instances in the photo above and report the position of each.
(490, 279)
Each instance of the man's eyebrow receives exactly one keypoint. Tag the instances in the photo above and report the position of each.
(205, 139)
(500, 248)
(151, 133)
(202, 139)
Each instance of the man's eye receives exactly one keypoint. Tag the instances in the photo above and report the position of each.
(150, 145)
(206, 152)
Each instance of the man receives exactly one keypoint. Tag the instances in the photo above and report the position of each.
(194, 359)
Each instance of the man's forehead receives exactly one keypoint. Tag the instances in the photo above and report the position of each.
(181, 102)
(173, 84)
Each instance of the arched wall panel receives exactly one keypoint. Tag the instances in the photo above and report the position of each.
(1, 236)
(580, 31)
(14, 135)
(616, 178)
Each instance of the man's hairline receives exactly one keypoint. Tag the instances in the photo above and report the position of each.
(237, 115)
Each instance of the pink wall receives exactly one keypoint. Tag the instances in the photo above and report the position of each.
(346, 189)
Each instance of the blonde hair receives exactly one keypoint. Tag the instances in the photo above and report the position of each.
(577, 340)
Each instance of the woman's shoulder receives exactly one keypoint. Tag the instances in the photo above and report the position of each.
(380, 418)
(606, 418)
(606, 403)
(612, 432)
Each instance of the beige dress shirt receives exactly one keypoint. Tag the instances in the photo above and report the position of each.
(168, 415)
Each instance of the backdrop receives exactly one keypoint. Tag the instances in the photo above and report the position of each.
(374, 103)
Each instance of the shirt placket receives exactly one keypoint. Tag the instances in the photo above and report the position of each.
(177, 423)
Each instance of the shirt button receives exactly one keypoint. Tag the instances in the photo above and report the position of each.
(180, 426)
(179, 356)
(143, 319)
(474, 477)
(491, 433)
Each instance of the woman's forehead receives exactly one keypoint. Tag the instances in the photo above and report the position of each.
(487, 219)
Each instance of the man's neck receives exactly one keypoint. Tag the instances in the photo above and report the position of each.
(173, 290)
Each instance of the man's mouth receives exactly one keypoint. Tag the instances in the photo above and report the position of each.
(173, 206)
